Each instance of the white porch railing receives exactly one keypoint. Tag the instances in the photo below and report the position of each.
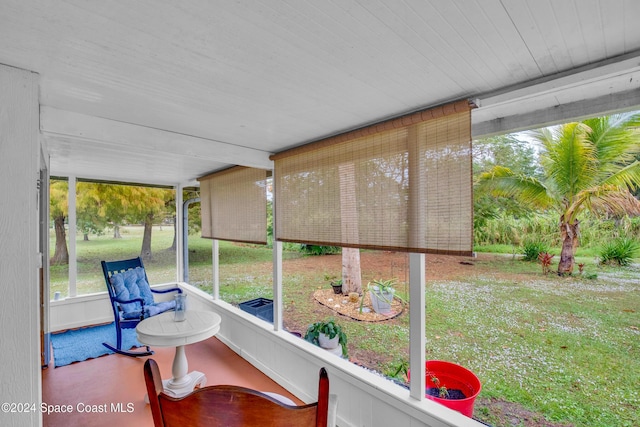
(364, 398)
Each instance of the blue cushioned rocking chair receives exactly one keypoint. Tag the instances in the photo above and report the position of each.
(131, 299)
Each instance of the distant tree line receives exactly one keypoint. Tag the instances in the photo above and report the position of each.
(102, 206)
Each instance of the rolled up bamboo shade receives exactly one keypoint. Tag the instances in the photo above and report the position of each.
(404, 185)
(233, 205)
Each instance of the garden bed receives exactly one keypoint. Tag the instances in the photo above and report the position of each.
(341, 304)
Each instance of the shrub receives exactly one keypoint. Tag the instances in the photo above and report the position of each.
(545, 259)
(320, 250)
(531, 249)
(620, 251)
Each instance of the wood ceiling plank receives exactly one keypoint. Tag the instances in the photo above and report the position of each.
(124, 136)
(272, 75)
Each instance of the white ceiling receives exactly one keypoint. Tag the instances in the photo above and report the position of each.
(164, 91)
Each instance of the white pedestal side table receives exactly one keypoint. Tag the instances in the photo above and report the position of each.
(163, 331)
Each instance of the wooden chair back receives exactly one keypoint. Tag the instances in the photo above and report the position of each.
(231, 406)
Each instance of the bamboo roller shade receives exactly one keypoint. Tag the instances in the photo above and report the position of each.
(233, 205)
(404, 185)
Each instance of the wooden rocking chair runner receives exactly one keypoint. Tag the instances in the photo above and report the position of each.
(231, 406)
(131, 299)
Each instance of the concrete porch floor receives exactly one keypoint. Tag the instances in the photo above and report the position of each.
(109, 390)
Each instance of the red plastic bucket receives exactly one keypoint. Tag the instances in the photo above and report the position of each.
(453, 377)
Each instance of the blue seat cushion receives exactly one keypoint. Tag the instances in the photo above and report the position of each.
(159, 307)
(130, 278)
(150, 310)
(133, 284)
(122, 292)
(143, 286)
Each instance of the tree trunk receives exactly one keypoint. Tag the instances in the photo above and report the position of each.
(116, 232)
(351, 277)
(175, 235)
(351, 274)
(570, 234)
(61, 254)
(145, 253)
(85, 237)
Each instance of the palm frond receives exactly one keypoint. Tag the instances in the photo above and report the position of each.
(543, 136)
(604, 200)
(502, 182)
(569, 160)
(616, 139)
(626, 177)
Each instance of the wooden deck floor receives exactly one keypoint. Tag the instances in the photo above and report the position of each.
(113, 386)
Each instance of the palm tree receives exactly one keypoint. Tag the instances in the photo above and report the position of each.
(587, 166)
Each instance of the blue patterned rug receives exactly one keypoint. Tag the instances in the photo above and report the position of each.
(76, 345)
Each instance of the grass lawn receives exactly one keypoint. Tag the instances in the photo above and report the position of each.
(549, 351)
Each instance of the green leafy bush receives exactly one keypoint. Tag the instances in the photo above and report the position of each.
(620, 251)
(320, 250)
(531, 249)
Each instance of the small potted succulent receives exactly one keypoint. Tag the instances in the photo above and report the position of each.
(335, 283)
(328, 335)
(337, 286)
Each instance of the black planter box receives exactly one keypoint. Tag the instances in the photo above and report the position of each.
(260, 307)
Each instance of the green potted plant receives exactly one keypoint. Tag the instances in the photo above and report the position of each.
(337, 286)
(451, 385)
(382, 293)
(335, 283)
(328, 335)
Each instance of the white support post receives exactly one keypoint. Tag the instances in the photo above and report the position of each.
(417, 338)
(71, 219)
(277, 264)
(277, 285)
(215, 266)
(179, 234)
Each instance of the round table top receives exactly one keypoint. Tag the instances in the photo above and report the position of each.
(163, 331)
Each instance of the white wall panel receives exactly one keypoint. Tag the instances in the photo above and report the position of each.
(19, 263)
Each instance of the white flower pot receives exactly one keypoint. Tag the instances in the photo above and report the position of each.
(328, 343)
(381, 301)
(337, 351)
